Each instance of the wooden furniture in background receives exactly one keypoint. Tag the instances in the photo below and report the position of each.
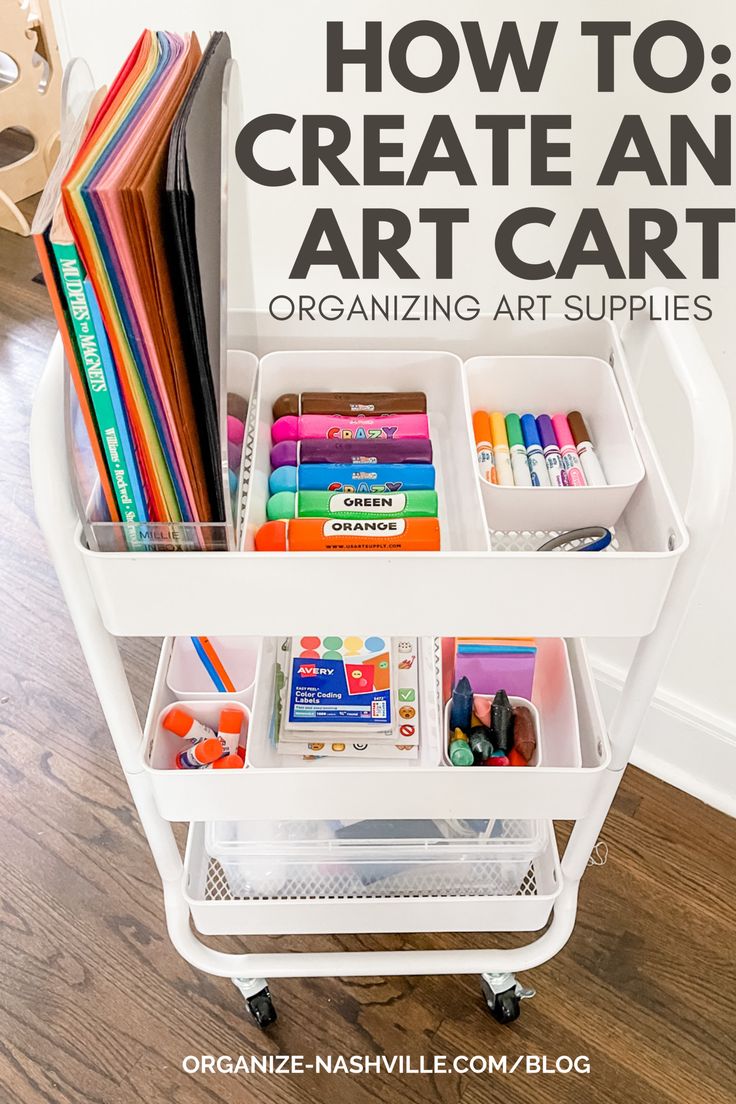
(30, 87)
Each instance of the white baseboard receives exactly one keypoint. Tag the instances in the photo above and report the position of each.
(691, 749)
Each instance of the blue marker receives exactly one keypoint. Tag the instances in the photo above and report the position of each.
(357, 479)
(534, 451)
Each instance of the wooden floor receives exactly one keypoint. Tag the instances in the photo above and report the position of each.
(96, 1007)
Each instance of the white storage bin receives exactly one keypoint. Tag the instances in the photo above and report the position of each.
(187, 677)
(309, 877)
(267, 789)
(548, 385)
(536, 759)
(438, 374)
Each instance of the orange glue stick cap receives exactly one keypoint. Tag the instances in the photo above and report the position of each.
(228, 762)
(201, 755)
(183, 724)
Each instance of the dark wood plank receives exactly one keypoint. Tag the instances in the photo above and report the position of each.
(97, 1008)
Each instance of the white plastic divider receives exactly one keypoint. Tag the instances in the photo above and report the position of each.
(216, 911)
(559, 593)
(438, 374)
(335, 790)
(188, 679)
(549, 385)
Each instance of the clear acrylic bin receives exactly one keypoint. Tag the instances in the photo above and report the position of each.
(383, 875)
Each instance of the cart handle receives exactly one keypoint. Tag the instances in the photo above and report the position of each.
(707, 500)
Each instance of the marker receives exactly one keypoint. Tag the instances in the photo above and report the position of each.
(519, 462)
(534, 453)
(501, 457)
(368, 535)
(483, 446)
(407, 451)
(364, 479)
(329, 504)
(552, 457)
(570, 458)
(591, 464)
(201, 755)
(229, 728)
(352, 403)
(184, 725)
(326, 427)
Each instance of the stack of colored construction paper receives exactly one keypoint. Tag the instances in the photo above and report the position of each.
(119, 242)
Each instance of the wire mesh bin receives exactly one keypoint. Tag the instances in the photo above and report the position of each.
(397, 875)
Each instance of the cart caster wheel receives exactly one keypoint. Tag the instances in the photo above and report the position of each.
(504, 1007)
(261, 1008)
(503, 995)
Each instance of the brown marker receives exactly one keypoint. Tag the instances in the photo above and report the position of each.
(352, 403)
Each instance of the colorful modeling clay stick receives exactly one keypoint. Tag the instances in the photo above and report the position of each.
(407, 451)
(591, 464)
(570, 458)
(184, 725)
(201, 755)
(362, 479)
(502, 722)
(229, 729)
(337, 504)
(325, 427)
(519, 462)
(534, 453)
(501, 457)
(228, 762)
(351, 403)
(461, 709)
(483, 446)
(525, 740)
(553, 459)
(460, 754)
(368, 535)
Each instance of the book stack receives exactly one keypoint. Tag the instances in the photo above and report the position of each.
(347, 697)
(120, 239)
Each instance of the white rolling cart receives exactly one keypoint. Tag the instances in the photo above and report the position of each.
(641, 589)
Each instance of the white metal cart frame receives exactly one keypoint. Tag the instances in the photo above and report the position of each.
(690, 365)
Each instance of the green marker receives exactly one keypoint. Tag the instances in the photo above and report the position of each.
(519, 461)
(338, 504)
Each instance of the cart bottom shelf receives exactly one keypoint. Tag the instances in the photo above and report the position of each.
(469, 893)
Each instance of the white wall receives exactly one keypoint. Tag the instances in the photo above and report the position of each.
(280, 47)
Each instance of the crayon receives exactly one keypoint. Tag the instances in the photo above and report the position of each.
(326, 427)
(591, 464)
(352, 403)
(407, 451)
(570, 458)
(366, 535)
(552, 456)
(534, 452)
(461, 709)
(460, 754)
(347, 477)
(502, 722)
(501, 456)
(483, 447)
(519, 462)
(337, 504)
